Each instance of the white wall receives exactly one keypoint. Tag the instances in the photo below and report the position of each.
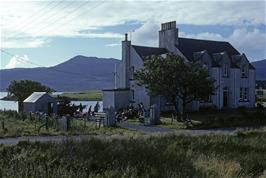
(121, 99)
(115, 98)
(108, 99)
(140, 92)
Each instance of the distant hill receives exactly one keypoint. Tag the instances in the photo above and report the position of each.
(260, 69)
(77, 74)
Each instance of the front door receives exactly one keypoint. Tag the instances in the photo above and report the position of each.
(225, 97)
(50, 108)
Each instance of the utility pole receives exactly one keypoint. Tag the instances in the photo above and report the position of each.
(115, 78)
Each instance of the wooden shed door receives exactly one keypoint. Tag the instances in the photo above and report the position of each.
(50, 108)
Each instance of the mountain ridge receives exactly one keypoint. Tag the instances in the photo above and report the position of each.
(76, 74)
(260, 67)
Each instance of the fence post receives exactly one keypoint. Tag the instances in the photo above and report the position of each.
(46, 122)
(154, 114)
(110, 116)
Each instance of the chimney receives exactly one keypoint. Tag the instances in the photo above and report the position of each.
(125, 36)
(168, 25)
(168, 36)
(126, 45)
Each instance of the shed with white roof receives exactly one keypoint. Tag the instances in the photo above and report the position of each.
(40, 102)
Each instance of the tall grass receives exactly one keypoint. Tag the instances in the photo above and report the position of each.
(166, 156)
(13, 124)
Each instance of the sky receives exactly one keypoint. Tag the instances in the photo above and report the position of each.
(46, 33)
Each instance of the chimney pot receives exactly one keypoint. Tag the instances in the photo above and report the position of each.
(125, 36)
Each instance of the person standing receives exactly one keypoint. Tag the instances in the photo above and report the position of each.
(96, 107)
(80, 108)
(89, 113)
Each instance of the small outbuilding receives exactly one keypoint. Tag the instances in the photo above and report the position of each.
(40, 102)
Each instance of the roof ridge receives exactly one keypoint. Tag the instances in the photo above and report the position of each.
(203, 40)
(147, 47)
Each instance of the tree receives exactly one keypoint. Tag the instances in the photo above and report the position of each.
(174, 78)
(21, 89)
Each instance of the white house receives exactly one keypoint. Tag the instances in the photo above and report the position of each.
(234, 75)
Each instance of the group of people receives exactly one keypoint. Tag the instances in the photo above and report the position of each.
(130, 112)
(95, 110)
(80, 108)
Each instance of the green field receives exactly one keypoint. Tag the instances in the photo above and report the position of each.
(91, 95)
(214, 156)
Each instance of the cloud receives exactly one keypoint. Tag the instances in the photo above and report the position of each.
(24, 43)
(16, 61)
(147, 34)
(113, 44)
(46, 19)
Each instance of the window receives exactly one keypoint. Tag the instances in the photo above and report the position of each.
(207, 99)
(243, 94)
(132, 70)
(225, 70)
(133, 94)
(243, 71)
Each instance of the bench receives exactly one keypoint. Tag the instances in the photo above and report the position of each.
(98, 118)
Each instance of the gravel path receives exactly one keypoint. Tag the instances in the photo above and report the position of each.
(153, 129)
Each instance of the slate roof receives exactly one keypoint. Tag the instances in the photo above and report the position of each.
(35, 96)
(144, 51)
(188, 46)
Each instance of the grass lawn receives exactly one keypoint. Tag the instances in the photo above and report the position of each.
(214, 156)
(13, 125)
(166, 122)
(91, 95)
(222, 119)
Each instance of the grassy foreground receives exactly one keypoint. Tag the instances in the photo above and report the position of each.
(166, 156)
(92, 95)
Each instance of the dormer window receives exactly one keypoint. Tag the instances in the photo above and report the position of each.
(225, 70)
(244, 71)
